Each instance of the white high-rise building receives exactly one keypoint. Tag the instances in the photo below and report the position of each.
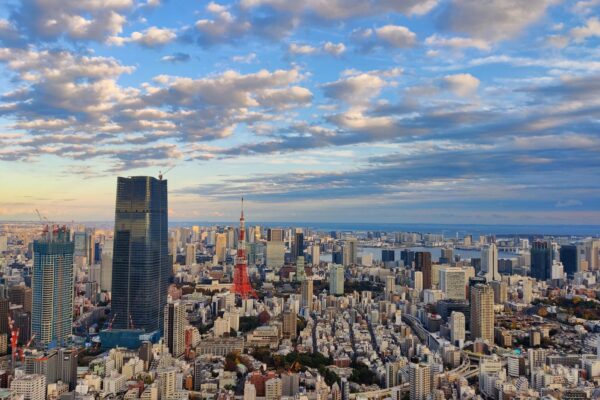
(482, 312)
(249, 392)
(275, 254)
(420, 381)
(336, 279)
(31, 387)
(453, 283)
(315, 253)
(306, 294)
(390, 285)
(190, 254)
(418, 280)
(273, 389)
(489, 262)
(457, 327)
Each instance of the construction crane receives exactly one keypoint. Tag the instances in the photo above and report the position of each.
(161, 174)
(43, 220)
(23, 348)
(110, 324)
(14, 338)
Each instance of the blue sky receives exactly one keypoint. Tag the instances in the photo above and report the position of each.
(447, 111)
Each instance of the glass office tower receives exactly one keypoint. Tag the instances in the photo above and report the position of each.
(52, 287)
(141, 263)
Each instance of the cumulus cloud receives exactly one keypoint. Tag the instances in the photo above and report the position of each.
(493, 20)
(591, 29)
(223, 26)
(394, 36)
(72, 19)
(151, 37)
(461, 84)
(356, 88)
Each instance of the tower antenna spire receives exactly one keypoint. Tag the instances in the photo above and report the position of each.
(241, 282)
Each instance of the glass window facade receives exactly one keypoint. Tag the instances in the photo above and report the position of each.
(141, 263)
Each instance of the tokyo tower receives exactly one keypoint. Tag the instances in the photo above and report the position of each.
(241, 283)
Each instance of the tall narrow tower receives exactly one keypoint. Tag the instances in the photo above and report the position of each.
(241, 282)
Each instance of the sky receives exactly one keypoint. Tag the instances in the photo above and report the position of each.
(431, 111)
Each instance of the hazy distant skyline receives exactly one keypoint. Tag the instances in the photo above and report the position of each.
(434, 111)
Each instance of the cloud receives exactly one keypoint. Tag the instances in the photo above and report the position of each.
(222, 27)
(457, 42)
(391, 36)
(344, 9)
(151, 37)
(334, 49)
(591, 29)
(585, 7)
(246, 59)
(177, 58)
(49, 20)
(301, 49)
(461, 84)
(396, 36)
(357, 88)
(492, 20)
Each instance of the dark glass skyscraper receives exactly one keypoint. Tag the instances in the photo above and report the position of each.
(141, 263)
(423, 264)
(568, 257)
(541, 260)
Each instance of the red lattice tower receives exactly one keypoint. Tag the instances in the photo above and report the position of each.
(241, 282)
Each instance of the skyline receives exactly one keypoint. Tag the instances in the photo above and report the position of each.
(450, 111)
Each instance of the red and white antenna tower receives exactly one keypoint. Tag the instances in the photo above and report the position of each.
(241, 282)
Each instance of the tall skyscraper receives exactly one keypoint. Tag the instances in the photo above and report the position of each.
(275, 249)
(500, 291)
(141, 263)
(482, 312)
(52, 284)
(453, 283)
(350, 252)
(420, 381)
(568, 257)
(388, 255)
(275, 235)
(423, 264)
(541, 260)
(306, 294)
(298, 247)
(190, 254)
(457, 326)
(106, 266)
(315, 254)
(221, 247)
(336, 279)
(489, 262)
(175, 321)
(290, 325)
